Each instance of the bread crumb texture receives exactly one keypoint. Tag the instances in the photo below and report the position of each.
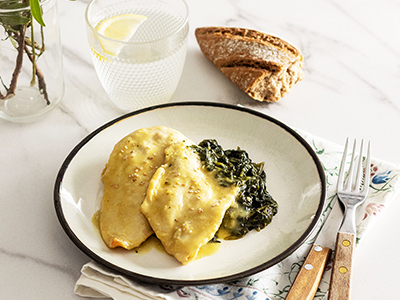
(263, 66)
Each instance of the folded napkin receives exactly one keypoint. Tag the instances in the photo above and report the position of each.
(272, 284)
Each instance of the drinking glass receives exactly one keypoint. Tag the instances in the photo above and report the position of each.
(146, 69)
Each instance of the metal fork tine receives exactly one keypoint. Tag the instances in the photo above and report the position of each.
(348, 183)
(367, 172)
(352, 195)
(357, 183)
(342, 166)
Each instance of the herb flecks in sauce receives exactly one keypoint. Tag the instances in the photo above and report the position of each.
(255, 207)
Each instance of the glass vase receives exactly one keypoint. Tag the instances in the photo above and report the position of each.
(31, 71)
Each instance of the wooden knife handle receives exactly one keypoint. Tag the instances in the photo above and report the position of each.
(307, 280)
(342, 264)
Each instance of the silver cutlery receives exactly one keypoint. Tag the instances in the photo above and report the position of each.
(309, 277)
(351, 192)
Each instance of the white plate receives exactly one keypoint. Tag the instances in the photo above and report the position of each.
(295, 179)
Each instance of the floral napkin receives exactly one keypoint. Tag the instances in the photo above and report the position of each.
(272, 284)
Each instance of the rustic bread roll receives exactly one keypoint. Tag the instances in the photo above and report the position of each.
(263, 66)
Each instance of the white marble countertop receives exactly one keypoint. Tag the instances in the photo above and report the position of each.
(351, 88)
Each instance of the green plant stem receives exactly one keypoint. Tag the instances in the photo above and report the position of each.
(43, 48)
(20, 37)
(33, 80)
(16, 29)
(39, 75)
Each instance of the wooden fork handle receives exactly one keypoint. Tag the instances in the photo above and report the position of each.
(307, 280)
(342, 267)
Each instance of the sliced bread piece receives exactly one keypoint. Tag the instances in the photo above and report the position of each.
(263, 66)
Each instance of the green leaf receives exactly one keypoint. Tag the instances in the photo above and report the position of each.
(36, 11)
(12, 4)
(13, 19)
(9, 21)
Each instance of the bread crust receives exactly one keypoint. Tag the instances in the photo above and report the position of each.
(262, 65)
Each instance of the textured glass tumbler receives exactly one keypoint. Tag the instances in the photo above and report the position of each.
(31, 68)
(147, 68)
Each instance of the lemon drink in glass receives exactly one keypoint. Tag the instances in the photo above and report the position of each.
(138, 48)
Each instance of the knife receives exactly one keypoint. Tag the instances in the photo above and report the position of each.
(309, 277)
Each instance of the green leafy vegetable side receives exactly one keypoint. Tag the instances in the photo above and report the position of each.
(255, 206)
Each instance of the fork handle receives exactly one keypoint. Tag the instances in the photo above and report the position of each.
(307, 280)
(342, 267)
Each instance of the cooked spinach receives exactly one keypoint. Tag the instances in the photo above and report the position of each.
(254, 207)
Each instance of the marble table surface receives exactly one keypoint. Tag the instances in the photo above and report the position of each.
(351, 88)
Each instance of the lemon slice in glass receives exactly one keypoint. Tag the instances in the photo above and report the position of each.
(119, 28)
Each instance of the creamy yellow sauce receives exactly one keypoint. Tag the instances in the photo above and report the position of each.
(208, 250)
(230, 222)
(126, 177)
(184, 203)
(151, 243)
(154, 243)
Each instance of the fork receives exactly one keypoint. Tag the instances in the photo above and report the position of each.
(351, 192)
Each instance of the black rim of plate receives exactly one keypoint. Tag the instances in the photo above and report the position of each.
(163, 281)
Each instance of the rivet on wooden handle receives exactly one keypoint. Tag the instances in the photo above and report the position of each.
(307, 280)
(342, 266)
